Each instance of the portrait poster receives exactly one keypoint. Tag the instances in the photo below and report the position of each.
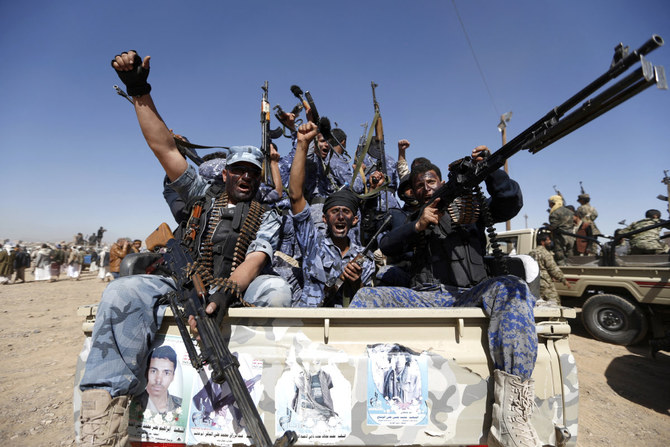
(160, 412)
(313, 398)
(213, 419)
(397, 386)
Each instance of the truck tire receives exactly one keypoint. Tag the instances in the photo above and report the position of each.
(613, 319)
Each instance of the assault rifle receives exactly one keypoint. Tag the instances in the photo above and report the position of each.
(379, 131)
(560, 194)
(465, 174)
(266, 139)
(364, 146)
(190, 298)
(336, 285)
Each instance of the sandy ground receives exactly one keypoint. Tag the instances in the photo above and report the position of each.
(624, 395)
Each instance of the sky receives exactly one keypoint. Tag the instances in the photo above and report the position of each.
(73, 158)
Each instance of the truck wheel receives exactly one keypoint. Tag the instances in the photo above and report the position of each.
(612, 319)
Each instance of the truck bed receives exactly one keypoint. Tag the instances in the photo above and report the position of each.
(283, 350)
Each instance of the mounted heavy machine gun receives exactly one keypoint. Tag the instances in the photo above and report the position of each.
(465, 174)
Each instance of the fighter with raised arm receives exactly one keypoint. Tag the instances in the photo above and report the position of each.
(230, 243)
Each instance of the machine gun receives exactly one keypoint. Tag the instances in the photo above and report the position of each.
(465, 174)
(190, 298)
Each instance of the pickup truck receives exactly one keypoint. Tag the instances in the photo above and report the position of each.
(281, 351)
(622, 298)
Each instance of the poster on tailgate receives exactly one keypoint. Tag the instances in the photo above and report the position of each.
(182, 406)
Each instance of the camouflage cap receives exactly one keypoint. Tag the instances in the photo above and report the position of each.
(583, 197)
(250, 154)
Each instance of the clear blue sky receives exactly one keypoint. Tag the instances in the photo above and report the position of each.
(73, 157)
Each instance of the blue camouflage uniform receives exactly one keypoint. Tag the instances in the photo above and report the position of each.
(333, 173)
(387, 198)
(322, 261)
(287, 244)
(130, 311)
(326, 176)
(448, 271)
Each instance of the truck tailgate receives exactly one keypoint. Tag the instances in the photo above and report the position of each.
(324, 373)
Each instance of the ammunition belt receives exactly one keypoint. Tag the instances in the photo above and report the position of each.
(464, 210)
(204, 267)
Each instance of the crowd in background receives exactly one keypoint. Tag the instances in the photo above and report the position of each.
(49, 262)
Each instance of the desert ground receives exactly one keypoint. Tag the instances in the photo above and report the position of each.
(624, 394)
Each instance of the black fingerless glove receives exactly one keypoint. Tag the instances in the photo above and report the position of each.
(223, 299)
(135, 80)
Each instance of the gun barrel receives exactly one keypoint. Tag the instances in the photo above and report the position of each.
(654, 42)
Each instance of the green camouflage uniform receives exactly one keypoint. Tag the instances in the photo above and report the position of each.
(646, 242)
(561, 219)
(549, 272)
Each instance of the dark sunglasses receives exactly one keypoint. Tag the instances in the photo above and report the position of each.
(240, 170)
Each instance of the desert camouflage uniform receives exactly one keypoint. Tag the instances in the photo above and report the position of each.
(589, 214)
(646, 242)
(549, 272)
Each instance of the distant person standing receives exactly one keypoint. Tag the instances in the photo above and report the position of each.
(21, 262)
(588, 212)
(119, 250)
(57, 259)
(6, 263)
(647, 242)
(585, 229)
(560, 221)
(42, 269)
(103, 263)
(100, 233)
(74, 263)
(93, 266)
(549, 271)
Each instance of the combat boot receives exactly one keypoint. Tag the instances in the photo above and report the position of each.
(512, 407)
(104, 421)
